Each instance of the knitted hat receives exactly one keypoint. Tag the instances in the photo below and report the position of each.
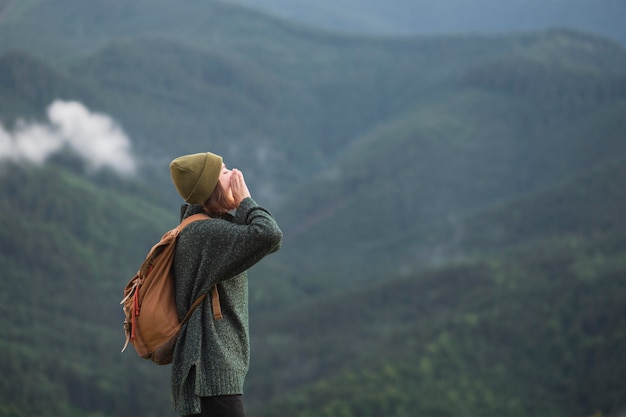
(195, 176)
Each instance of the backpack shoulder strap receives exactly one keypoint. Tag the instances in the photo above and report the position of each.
(217, 309)
(191, 219)
(215, 301)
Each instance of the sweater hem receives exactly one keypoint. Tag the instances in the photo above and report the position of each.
(215, 383)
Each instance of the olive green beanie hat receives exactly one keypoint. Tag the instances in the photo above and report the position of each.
(195, 176)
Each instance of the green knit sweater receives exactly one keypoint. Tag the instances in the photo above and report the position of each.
(212, 356)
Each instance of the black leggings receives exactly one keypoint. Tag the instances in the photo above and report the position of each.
(222, 406)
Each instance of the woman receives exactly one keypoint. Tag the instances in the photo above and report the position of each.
(211, 356)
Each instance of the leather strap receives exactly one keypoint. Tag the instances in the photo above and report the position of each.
(215, 300)
(191, 219)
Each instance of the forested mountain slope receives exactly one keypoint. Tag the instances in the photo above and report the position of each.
(507, 128)
(67, 246)
(413, 335)
(533, 328)
(490, 337)
(28, 85)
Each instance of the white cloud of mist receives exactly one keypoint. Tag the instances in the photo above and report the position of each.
(94, 137)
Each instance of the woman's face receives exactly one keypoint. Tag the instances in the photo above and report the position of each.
(224, 181)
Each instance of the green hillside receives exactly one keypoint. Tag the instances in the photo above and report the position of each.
(67, 245)
(436, 340)
(496, 336)
(28, 85)
(453, 210)
(490, 335)
(465, 151)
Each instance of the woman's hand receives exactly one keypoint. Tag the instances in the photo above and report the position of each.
(238, 186)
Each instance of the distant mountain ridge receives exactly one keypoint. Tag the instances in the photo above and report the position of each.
(410, 17)
(332, 66)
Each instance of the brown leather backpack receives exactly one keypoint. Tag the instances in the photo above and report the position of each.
(151, 323)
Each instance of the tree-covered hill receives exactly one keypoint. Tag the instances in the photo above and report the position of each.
(28, 85)
(448, 340)
(493, 137)
(533, 326)
(67, 246)
(539, 331)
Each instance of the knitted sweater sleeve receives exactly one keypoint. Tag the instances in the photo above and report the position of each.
(252, 235)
